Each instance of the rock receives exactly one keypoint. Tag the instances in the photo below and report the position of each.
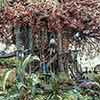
(90, 85)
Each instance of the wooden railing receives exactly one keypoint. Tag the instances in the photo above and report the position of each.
(12, 54)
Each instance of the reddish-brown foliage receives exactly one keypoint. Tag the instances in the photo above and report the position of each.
(79, 15)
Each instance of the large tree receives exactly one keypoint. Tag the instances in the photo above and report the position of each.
(79, 15)
(62, 16)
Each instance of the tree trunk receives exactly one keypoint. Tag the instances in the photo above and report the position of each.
(18, 40)
(18, 46)
(30, 39)
(60, 64)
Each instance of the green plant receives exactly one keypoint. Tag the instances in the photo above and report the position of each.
(8, 91)
(55, 93)
(2, 3)
(97, 78)
(21, 65)
(5, 79)
(8, 62)
(27, 82)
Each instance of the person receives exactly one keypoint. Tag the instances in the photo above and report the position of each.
(45, 67)
(52, 45)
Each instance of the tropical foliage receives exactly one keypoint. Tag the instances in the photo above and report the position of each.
(26, 20)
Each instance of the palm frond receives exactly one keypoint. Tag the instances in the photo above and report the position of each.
(5, 79)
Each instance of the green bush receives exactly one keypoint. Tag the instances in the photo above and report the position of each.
(8, 62)
(97, 78)
(2, 3)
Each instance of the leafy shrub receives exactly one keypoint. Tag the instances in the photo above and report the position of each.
(97, 78)
(8, 62)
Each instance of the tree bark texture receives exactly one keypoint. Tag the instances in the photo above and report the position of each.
(60, 64)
